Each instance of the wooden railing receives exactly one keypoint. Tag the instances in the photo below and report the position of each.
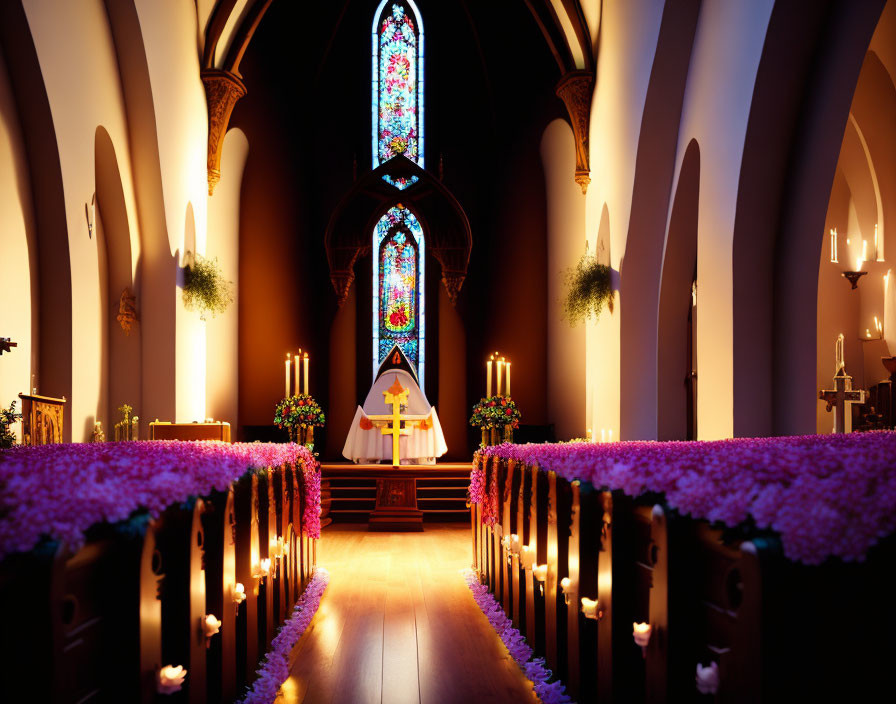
(98, 625)
(776, 630)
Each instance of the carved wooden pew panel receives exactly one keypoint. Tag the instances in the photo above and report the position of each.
(248, 556)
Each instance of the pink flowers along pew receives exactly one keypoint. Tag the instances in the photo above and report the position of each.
(58, 492)
(824, 495)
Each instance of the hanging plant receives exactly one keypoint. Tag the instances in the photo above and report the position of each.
(589, 288)
(205, 288)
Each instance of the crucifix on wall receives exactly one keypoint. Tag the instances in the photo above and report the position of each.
(6, 344)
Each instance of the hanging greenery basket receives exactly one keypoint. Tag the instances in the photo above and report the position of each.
(589, 289)
(205, 288)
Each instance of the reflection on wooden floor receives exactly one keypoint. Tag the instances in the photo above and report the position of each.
(398, 624)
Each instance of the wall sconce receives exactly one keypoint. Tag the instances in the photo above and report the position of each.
(641, 633)
(541, 574)
(210, 626)
(239, 593)
(566, 588)
(854, 276)
(708, 678)
(527, 557)
(590, 609)
(171, 679)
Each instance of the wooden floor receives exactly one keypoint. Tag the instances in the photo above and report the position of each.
(398, 624)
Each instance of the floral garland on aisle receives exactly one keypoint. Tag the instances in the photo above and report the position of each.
(57, 492)
(483, 489)
(522, 654)
(275, 668)
(824, 495)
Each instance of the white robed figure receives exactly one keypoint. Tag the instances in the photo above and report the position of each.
(421, 440)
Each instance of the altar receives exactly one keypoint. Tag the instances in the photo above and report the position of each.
(396, 419)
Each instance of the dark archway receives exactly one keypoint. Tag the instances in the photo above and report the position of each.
(674, 386)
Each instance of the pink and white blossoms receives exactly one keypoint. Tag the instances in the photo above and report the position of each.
(522, 654)
(275, 668)
(825, 495)
(60, 491)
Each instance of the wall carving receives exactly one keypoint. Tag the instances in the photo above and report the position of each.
(222, 90)
(575, 90)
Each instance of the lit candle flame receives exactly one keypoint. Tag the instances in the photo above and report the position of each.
(641, 633)
(589, 608)
(211, 625)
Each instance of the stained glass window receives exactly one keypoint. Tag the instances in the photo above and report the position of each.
(398, 246)
(398, 285)
(397, 99)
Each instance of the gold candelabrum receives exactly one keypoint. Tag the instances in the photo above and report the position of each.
(493, 436)
(302, 435)
(127, 428)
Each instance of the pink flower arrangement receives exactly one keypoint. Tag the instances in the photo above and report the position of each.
(275, 667)
(825, 495)
(520, 651)
(60, 491)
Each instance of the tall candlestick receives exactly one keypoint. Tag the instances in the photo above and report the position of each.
(306, 372)
(500, 371)
(286, 393)
(864, 250)
(297, 383)
(508, 379)
(834, 245)
(488, 377)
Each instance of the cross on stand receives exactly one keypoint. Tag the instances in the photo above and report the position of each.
(841, 398)
(396, 396)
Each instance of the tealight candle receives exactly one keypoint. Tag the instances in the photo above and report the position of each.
(239, 593)
(565, 587)
(527, 557)
(211, 625)
(171, 679)
(641, 633)
(708, 678)
(589, 608)
(540, 572)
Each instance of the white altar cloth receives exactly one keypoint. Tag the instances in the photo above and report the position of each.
(417, 447)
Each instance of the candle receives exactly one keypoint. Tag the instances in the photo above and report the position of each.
(500, 371)
(239, 593)
(488, 377)
(171, 679)
(527, 557)
(211, 625)
(540, 572)
(588, 435)
(297, 385)
(507, 369)
(514, 543)
(286, 393)
(589, 608)
(306, 372)
(641, 634)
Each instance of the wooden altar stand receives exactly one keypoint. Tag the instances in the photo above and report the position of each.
(398, 498)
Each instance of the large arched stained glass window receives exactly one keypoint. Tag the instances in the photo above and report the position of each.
(399, 317)
(397, 100)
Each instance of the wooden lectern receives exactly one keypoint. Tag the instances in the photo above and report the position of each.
(42, 419)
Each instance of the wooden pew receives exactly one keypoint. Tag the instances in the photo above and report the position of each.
(219, 522)
(248, 554)
(180, 540)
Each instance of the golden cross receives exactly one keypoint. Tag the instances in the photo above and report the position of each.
(396, 396)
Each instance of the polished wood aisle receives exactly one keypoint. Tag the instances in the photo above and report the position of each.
(398, 624)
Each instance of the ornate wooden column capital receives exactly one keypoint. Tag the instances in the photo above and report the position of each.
(222, 90)
(575, 90)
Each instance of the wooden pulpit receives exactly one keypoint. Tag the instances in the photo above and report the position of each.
(42, 419)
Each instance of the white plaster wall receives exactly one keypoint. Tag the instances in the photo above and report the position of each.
(80, 70)
(169, 29)
(222, 368)
(566, 243)
(17, 268)
(727, 49)
(628, 34)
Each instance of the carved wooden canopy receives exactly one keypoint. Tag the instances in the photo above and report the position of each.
(445, 224)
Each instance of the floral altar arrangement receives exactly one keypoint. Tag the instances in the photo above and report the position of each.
(8, 418)
(823, 495)
(300, 414)
(495, 413)
(58, 492)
